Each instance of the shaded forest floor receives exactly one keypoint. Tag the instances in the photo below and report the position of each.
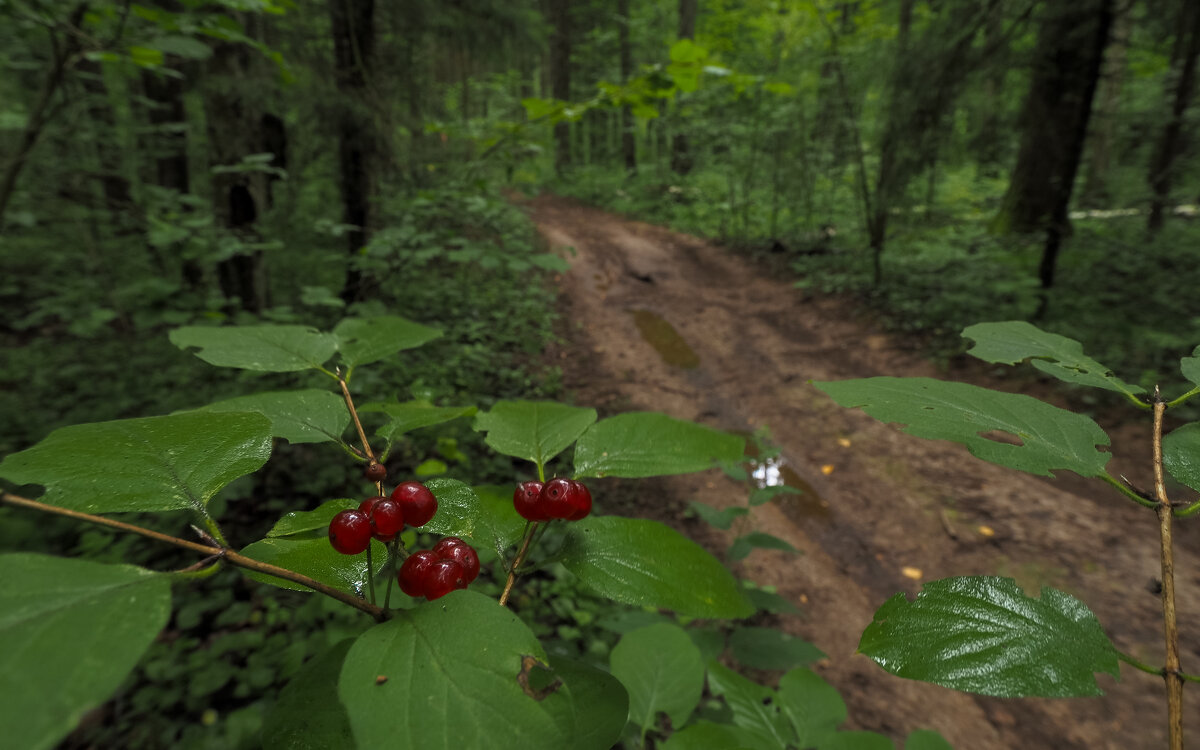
(661, 321)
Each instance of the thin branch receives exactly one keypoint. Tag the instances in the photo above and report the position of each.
(520, 558)
(354, 415)
(1171, 672)
(1156, 671)
(1129, 492)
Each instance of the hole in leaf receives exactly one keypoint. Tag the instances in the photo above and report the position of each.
(1000, 436)
(536, 679)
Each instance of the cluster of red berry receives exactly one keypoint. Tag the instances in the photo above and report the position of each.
(559, 498)
(450, 565)
(411, 503)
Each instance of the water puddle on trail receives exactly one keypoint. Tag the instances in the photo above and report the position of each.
(661, 335)
(808, 505)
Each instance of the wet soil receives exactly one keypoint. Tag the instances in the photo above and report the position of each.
(656, 320)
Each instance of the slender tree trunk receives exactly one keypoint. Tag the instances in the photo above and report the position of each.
(1108, 95)
(681, 155)
(560, 76)
(625, 53)
(1171, 141)
(353, 27)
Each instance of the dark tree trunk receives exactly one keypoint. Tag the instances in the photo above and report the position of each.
(681, 154)
(560, 76)
(1171, 141)
(1107, 110)
(1054, 122)
(353, 27)
(628, 144)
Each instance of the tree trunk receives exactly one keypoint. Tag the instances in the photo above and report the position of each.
(1108, 95)
(353, 28)
(681, 155)
(1171, 141)
(1054, 121)
(625, 53)
(560, 76)
(168, 149)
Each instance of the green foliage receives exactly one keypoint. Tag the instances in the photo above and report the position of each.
(648, 444)
(307, 416)
(663, 672)
(534, 431)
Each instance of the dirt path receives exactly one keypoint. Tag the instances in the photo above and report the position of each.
(749, 345)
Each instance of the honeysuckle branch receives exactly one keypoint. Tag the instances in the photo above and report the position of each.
(354, 415)
(1129, 492)
(516, 563)
(1177, 401)
(214, 553)
(1171, 672)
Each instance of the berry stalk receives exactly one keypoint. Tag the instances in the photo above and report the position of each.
(516, 563)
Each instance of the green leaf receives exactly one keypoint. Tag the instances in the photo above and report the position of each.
(687, 51)
(768, 648)
(534, 430)
(754, 707)
(309, 520)
(744, 544)
(144, 57)
(72, 630)
(926, 739)
(308, 416)
(450, 673)
(662, 670)
(183, 46)
(722, 519)
(642, 562)
(857, 741)
(152, 464)
(981, 634)
(769, 601)
(361, 341)
(308, 714)
(599, 705)
(1181, 454)
(647, 444)
(1013, 341)
(413, 415)
(812, 705)
(497, 514)
(315, 558)
(1051, 438)
(457, 511)
(764, 495)
(264, 348)
(1190, 366)
(705, 735)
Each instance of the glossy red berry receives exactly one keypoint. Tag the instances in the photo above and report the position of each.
(350, 532)
(453, 548)
(387, 518)
(555, 500)
(443, 577)
(525, 500)
(418, 503)
(366, 505)
(375, 472)
(414, 571)
(580, 500)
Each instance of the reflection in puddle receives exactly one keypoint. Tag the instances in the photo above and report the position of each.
(808, 504)
(661, 335)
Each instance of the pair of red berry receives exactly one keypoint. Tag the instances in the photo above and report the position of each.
(450, 565)
(559, 498)
(411, 503)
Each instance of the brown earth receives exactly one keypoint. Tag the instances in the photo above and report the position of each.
(880, 501)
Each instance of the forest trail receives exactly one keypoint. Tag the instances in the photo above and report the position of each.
(746, 347)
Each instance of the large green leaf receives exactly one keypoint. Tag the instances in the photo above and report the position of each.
(1051, 438)
(856, 741)
(648, 444)
(642, 562)
(71, 630)
(310, 520)
(812, 705)
(445, 675)
(315, 558)
(308, 714)
(496, 512)
(982, 634)
(534, 430)
(266, 348)
(153, 464)
(1181, 454)
(662, 670)
(599, 705)
(308, 416)
(413, 415)
(768, 648)
(361, 341)
(1013, 341)
(1190, 366)
(754, 707)
(705, 735)
(926, 739)
(487, 520)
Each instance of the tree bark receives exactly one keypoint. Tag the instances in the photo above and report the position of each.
(560, 77)
(1108, 95)
(1171, 140)
(625, 53)
(681, 155)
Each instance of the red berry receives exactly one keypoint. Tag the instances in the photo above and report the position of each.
(367, 505)
(418, 503)
(387, 517)
(350, 532)
(453, 548)
(555, 500)
(414, 571)
(375, 472)
(525, 500)
(580, 500)
(442, 577)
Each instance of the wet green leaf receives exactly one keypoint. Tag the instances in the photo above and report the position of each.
(1181, 454)
(308, 416)
(768, 648)
(361, 341)
(413, 415)
(813, 706)
(662, 670)
(982, 634)
(1051, 438)
(72, 630)
(534, 430)
(153, 464)
(309, 520)
(266, 348)
(755, 707)
(743, 545)
(642, 562)
(315, 558)
(599, 705)
(648, 444)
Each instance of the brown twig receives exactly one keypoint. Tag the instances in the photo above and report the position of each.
(225, 553)
(1172, 674)
(512, 571)
(354, 415)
